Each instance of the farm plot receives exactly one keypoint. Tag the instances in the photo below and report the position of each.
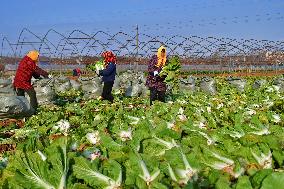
(215, 133)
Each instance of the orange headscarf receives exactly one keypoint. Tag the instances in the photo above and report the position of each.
(33, 55)
(161, 59)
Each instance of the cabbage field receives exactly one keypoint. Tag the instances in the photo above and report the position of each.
(211, 133)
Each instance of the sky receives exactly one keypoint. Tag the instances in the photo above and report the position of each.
(240, 19)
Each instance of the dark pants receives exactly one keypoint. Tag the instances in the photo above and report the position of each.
(157, 95)
(107, 91)
(32, 94)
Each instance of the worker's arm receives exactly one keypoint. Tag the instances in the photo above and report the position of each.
(108, 71)
(39, 72)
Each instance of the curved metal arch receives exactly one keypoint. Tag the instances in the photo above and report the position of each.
(145, 43)
(111, 37)
(229, 44)
(154, 40)
(9, 43)
(42, 41)
(214, 43)
(23, 40)
(76, 49)
(165, 42)
(63, 39)
(202, 40)
(194, 43)
(124, 44)
(89, 49)
(250, 47)
(90, 38)
(178, 45)
(148, 43)
(170, 40)
(211, 43)
(45, 38)
(27, 30)
(205, 47)
(94, 43)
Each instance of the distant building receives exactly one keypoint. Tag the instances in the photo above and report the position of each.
(275, 57)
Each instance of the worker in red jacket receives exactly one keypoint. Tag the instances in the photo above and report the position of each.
(26, 70)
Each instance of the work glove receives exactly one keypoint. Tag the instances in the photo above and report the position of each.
(98, 72)
(156, 73)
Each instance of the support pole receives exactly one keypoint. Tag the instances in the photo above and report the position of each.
(137, 47)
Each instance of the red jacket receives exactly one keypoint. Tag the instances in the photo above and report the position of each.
(26, 70)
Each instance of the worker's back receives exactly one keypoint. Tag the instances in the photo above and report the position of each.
(77, 72)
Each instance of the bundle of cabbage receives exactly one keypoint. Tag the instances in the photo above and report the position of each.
(99, 65)
(171, 69)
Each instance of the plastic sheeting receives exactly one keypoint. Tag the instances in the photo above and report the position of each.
(6, 87)
(132, 83)
(75, 84)
(238, 83)
(92, 88)
(7, 91)
(45, 94)
(136, 90)
(44, 90)
(15, 106)
(5, 82)
(208, 85)
(280, 83)
(116, 86)
(259, 83)
(187, 85)
(62, 87)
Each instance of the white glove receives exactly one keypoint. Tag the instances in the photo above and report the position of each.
(98, 72)
(50, 76)
(156, 73)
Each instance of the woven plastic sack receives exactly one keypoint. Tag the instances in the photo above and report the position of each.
(15, 106)
(92, 88)
(259, 83)
(208, 85)
(238, 83)
(187, 85)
